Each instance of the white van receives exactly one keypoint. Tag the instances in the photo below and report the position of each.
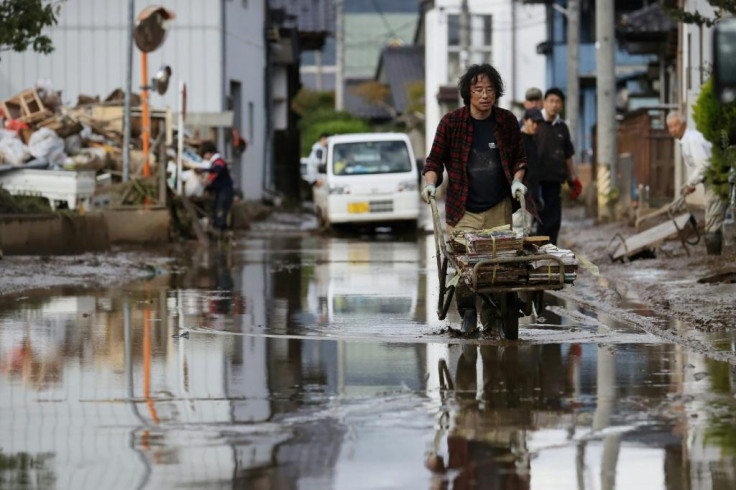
(367, 178)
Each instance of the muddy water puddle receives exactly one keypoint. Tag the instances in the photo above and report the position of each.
(297, 363)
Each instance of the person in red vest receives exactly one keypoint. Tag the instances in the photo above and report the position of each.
(220, 183)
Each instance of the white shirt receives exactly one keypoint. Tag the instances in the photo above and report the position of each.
(313, 161)
(557, 119)
(696, 153)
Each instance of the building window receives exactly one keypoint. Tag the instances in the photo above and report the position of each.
(479, 43)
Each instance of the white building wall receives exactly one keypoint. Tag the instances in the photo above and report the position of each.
(245, 62)
(529, 66)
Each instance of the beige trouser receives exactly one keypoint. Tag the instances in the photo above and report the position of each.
(498, 215)
(715, 211)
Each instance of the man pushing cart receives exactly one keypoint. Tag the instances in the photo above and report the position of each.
(480, 146)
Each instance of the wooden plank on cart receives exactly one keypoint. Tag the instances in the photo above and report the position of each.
(650, 238)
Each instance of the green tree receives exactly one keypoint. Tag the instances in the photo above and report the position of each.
(717, 122)
(722, 7)
(318, 116)
(23, 21)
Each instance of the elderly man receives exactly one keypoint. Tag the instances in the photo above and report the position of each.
(696, 154)
(480, 146)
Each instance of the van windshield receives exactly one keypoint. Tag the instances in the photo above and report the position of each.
(370, 157)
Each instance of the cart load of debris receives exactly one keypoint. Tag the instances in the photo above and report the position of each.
(543, 262)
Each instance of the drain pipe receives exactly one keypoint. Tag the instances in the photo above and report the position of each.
(267, 185)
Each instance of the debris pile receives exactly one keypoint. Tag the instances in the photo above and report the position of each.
(39, 132)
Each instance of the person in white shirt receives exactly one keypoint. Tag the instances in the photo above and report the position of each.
(696, 154)
(315, 157)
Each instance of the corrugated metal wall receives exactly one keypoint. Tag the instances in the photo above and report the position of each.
(90, 53)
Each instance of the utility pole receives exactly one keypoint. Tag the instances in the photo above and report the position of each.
(573, 82)
(464, 35)
(606, 101)
(340, 54)
(128, 88)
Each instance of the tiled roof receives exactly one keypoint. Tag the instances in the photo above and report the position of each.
(307, 15)
(359, 106)
(647, 20)
(398, 67)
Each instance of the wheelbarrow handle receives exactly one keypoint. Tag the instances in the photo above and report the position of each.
(522, 201)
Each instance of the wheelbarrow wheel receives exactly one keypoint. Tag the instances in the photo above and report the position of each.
(538, 301)
(510, 315)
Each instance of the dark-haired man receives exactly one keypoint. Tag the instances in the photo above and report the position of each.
(555, 151)
(480, 146)
(220, 183)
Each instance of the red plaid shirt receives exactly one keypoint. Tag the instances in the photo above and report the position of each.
(450, 150)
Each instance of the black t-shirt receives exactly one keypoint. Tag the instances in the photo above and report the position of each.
(554, 147)
(487, 182)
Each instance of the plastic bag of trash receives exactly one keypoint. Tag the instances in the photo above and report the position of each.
(47, 145)
(6, 133)
(193, 185)
(522, 221)
(14, 151)
(47, 94)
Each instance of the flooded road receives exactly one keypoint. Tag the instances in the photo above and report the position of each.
(304, 362)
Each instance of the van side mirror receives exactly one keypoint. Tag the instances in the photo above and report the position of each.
(724, 60)
(322, 168)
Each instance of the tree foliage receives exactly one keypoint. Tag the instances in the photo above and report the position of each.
(717, 122)
(722, 8)
(319, 116)
(23, 22)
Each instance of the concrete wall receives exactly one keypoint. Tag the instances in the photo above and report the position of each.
(52, 234)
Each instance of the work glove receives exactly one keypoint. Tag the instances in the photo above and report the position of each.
(517, 186)
(428, 192)
(575, 189)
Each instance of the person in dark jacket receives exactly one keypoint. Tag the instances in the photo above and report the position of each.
(530, 124)
(220, 183)
(555, 151)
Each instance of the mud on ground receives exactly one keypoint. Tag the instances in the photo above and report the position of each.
(668, 284)
(92, 270)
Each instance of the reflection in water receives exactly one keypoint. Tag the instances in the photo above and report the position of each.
(101, 390)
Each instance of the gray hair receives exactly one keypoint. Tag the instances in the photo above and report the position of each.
(674, 114)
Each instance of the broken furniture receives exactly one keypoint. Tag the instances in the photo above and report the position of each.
(26, 107)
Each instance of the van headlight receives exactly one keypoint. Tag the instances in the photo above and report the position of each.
(408, 185)
(339, 189)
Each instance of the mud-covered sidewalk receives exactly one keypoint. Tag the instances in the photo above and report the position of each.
(22, 273)
(666, 294)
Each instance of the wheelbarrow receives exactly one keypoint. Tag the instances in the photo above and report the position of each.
(503, 297)
(680, 225)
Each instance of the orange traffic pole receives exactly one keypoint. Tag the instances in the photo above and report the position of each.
(145, 121)
(147, 354)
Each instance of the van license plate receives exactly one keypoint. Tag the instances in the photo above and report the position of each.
(359, 207)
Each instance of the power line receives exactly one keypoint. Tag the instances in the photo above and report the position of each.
(383, 18)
